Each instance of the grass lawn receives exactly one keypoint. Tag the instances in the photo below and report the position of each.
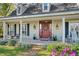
(43, 53)
(10, 50)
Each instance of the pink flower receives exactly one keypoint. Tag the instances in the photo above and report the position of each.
(54, 52)
(65, 52)
(62, 53)
(73, 53)
(66, 49)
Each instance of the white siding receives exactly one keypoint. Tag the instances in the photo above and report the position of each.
(34, 31)
(57, 31)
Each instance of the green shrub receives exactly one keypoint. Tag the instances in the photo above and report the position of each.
(12, 42)
(57, 46)
(76, 48)
(3, 42)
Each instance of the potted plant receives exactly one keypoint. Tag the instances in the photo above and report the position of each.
(34, 37)
(54, 38)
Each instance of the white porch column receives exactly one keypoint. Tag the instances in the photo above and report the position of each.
(63, 29)
(17, 29)
(20, 31)
(4, 30)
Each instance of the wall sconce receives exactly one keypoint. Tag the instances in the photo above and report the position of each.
(34, 27)
(57, 26)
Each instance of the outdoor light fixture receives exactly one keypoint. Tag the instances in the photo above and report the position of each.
(34, 27)
(57, 26)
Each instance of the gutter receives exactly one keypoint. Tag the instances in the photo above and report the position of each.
(42, 15)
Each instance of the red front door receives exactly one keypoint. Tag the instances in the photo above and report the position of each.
(45, 29)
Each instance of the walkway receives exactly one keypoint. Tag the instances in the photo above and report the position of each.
(32, 52)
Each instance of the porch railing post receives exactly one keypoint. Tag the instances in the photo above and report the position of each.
(63, 29)
(20, 31)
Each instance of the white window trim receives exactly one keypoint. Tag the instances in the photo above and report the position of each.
(20, 10)
(48, 8)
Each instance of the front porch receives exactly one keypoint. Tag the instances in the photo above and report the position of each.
(26, 29)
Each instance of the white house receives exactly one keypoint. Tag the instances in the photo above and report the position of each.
(42, 20)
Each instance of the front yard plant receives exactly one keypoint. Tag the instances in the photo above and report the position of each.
(3, 42)
(54, 49)
(12, 48)
(65, 52)
(12, 42)
(6, 50)
(60, 49)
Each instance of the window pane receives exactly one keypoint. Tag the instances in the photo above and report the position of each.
(45, 6)
(28, 27)
(24, 29)
(15, 29)
(18, 9)
(8, 29)
(19, 29)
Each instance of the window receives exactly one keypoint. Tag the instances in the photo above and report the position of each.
(19, 29)
(12, 33)
(18, 9)
(8, 29)
(14, 29)
(24, 29)
(28, 29)
(45, 6)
